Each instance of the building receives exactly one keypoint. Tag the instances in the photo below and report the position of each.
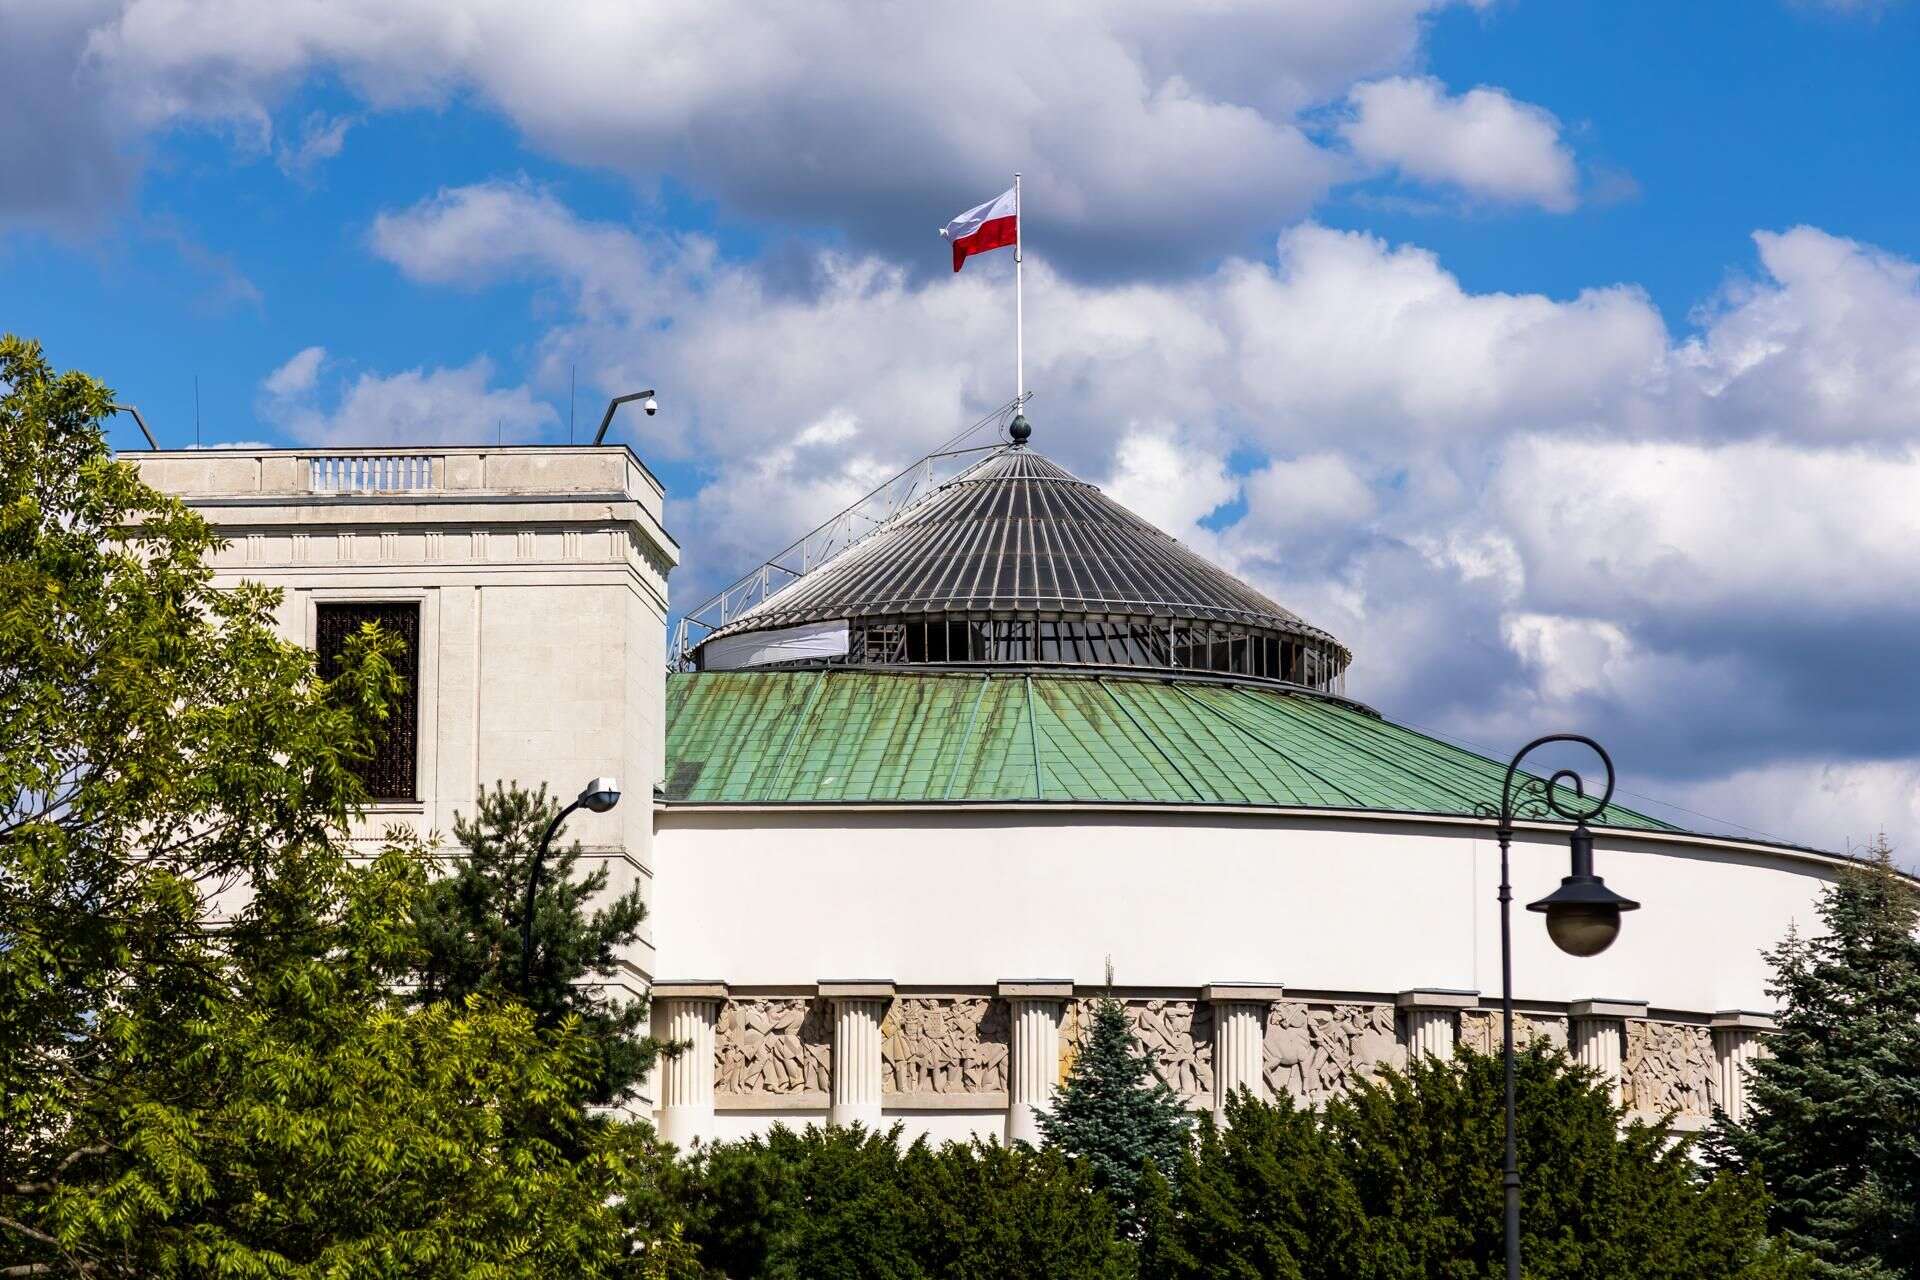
(896, 814)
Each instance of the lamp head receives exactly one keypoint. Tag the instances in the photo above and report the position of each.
(1583, 915)
(600, 795)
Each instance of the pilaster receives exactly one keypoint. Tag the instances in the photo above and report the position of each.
(1430, 1020)
(1738, 1040)
(1597, 1032)
(1239, 1031)
(1033, 1009)
(685, 1012)
(859, 1007)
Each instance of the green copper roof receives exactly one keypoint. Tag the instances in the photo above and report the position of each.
(844, 735)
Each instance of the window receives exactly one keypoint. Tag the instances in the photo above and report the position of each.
(389, 775)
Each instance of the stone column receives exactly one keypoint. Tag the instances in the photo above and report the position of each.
(859, 1007)
(685, 1012)
(1597, 1034)
(1738, 1039)
(1430, 1020)
(1033, 1057)
(1239, 1038)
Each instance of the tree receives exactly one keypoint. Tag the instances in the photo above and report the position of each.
(793, 1206)
(205, 1067)
(470, 934)
(1401, 1179)
(988, 1212)
(843, 1201)
(1833, 1125)
(1116, 1114)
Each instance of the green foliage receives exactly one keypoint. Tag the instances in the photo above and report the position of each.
(1116, 1114)
(1834, 1109)
(848, 1202)
(989, 1212)
(205, 1069)
(470, 941)
(1402, 1179)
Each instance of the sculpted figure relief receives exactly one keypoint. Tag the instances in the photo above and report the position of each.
(776, 1044)
(1177, 1033)
(1481, 1031)
(934, 1045)
(1669, 1067)
(1316, 1051)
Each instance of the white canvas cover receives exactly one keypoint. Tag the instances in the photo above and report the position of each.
(789, 644)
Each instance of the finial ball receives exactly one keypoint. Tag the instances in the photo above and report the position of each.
(1020, 430)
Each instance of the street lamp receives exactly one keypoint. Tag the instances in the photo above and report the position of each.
(597, 796)
(1583, 915)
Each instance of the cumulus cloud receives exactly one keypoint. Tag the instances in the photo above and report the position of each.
(1130, 120)
(67, 162)
(415, 406)
(1482, 141)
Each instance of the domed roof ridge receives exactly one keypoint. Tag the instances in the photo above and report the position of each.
(1017, 533)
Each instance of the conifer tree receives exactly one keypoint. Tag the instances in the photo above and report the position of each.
(1117, 1115)
(470, 939)
(1834, 1120)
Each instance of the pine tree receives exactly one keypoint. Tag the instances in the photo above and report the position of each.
(1117, 1115)
(470, 933)
(1834, 1120)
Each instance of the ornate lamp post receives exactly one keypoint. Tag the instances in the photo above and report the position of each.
(1583, 915)
(598, 796)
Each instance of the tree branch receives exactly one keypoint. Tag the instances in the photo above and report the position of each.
(53, 1179)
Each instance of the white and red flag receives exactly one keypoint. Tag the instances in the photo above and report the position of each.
(993, 225)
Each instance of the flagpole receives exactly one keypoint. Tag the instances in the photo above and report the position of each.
(1019, 307)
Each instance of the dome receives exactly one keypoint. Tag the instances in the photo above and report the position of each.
(1017, 561)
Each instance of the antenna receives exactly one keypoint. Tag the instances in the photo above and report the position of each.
(573, 400)
(196, 410)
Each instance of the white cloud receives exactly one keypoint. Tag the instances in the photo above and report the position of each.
(1752, 528)
(1483, 141)
(1826, 804)
(322, 138)
(1138, 126)
(414, 406)
(297, 376)
(1823, 347)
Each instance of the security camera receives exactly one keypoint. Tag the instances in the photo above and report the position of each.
(651, 405)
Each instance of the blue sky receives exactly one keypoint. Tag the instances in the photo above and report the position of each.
(1563, 358)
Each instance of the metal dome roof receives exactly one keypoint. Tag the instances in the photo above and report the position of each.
(1018, 533)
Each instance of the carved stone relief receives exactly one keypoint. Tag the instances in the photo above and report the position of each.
(938, 1045)
(1316, 1051)
(1482, 1032)
(1177, 1033)
(1669, 1067)
(773, 1045)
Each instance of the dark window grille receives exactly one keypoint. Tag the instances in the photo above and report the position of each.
(389, 775)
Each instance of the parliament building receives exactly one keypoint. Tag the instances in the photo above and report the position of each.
(898, 803)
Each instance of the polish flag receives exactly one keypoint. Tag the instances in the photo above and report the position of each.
(993, 225)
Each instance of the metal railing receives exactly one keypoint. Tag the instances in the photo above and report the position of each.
(858, 522)
(371, 473)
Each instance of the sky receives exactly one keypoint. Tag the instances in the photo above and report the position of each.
(1563, 359)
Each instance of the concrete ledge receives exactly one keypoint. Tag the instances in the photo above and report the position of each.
(1035, 989)
(688, 989)
(857, 988)
(1437, 998)
(817, 1100)
(1255, 992)
(1607, 1007)
(1744, 1020)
